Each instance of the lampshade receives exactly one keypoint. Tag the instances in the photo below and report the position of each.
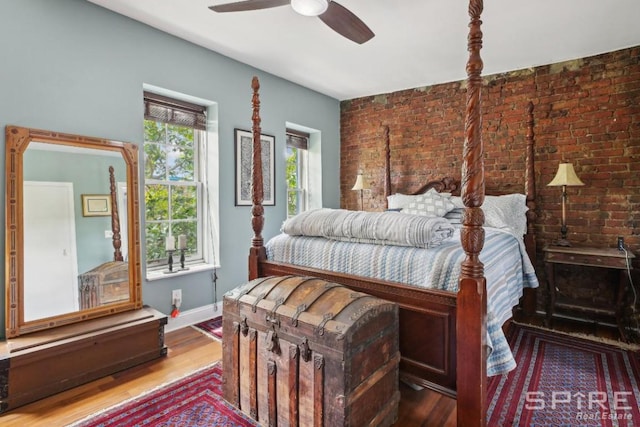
(310, 7)
(565, 176)
(359, 185)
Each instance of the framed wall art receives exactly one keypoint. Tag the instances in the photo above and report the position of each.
(244, 150)
(96, 205)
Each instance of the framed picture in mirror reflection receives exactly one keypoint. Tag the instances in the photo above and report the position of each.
(96, 205)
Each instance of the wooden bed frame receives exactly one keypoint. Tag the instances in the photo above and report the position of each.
(452, 357)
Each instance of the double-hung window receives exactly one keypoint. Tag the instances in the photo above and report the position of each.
(297, 178)
(174, 137)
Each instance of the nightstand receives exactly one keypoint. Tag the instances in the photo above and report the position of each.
(608, 258)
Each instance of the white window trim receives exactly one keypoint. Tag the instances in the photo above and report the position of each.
(209, 163)
(314, 165)
(302, 190)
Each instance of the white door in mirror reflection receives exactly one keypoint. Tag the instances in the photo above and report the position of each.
(50, 258)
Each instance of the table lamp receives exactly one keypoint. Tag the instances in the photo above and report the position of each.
(359, 186)
(566, 176)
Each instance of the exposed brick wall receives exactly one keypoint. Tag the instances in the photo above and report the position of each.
(587, 112)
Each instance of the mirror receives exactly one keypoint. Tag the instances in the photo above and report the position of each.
(72, 228)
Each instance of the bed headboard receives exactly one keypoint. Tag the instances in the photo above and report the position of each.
(452, 185)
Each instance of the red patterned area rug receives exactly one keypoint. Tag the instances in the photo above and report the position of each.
(194, 400)
(565, 381)
(211, 327)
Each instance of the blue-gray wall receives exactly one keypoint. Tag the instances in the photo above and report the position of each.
(72, 66)
(89, 174)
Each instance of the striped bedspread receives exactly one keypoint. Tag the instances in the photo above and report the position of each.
(507, 269)
(381, 228)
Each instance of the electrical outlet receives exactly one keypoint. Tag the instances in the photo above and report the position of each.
(176, 297)
(108, 234)
(621, 243)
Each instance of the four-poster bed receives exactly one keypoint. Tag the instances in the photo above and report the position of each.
(452, 356)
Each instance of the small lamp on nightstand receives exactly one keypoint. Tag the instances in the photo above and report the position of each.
(359, 186)
(566, 176)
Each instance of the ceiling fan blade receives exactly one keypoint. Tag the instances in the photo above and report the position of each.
(242, 6)
(344, 22)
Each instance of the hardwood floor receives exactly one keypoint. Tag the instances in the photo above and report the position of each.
(425, 408)
(188, 351)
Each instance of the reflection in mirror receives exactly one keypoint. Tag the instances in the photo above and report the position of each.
(71, 229)
(65, 251)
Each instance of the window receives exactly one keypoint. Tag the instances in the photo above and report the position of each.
(297, 171)
(174, 140)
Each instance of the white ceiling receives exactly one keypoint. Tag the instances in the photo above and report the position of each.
(417, 42)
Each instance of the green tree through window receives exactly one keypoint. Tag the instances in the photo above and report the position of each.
(171, 188)
(296, 172)
(292, 181)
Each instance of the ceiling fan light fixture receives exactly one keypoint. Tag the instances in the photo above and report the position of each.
(310, 7)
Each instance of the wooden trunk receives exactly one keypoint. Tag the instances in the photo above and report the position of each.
(427, 324)
(105, 284)
(304, 351)
(40, 364)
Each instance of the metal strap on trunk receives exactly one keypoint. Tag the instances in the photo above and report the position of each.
(317, 293)
(277, 304)
(244, 326)
(272, 316)
(257, 282)
(305, 351)
(329, 316)
(299, 309)
(248, 289)
(320, 328)
(258, 299)
(266, 292)
(271, 341)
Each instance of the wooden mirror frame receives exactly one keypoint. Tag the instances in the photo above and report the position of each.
(17, 141)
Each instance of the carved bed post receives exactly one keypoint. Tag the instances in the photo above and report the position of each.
(387, 166)
(115, 218)
(529, 301)
(257, 251)
(530, 180)
(471, 313)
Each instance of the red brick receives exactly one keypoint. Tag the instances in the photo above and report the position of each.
(589, 116)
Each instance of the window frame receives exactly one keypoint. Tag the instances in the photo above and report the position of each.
(206, 168)
(194, 255)
(299, 141)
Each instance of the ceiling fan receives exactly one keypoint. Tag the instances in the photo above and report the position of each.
(337, 17)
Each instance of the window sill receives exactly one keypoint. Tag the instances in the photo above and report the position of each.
(161, 274)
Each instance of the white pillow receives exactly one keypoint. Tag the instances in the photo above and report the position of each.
(508, 212)
(454, 216)
(434, 191)
(399, 200)
(429, 204)
(457, 201)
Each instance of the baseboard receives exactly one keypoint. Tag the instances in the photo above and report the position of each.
(193, 316)
(566, 316)
(585, 336)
